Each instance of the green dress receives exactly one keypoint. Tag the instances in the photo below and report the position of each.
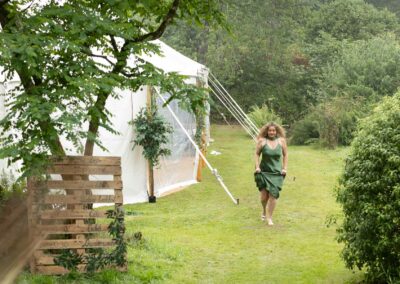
(270, 177)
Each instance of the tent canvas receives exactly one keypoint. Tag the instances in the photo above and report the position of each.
(176, 170)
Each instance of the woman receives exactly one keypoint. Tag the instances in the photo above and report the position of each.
(269, 174)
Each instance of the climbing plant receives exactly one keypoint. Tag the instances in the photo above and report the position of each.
(98, 258)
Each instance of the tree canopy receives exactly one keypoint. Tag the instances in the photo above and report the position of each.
(71, 56)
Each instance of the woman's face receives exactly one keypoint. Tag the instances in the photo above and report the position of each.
(271, 132)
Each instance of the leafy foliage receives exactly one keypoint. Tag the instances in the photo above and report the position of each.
(351, 20)
(369, 193)
(330, 123)
(281, 52)
(366, 68)
(10, 187)
(69, 259)
(262, 115)
(364, 71)
(260, 59)
(97, 259)
(391, 5)
(117, 230)
(305, 131)
(71, 56)
(352, 67)
(152, 133)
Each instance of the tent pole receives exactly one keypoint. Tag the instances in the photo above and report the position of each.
(150, 169)
(201, 163)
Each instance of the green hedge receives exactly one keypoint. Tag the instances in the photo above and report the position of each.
(369, 193)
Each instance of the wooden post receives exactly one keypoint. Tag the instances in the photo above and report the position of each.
(202, 145)
(31, 220)
(78, 222)
(150, 170)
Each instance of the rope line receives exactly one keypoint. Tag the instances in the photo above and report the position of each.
(234, 108)
(234, 115)
(227, 93)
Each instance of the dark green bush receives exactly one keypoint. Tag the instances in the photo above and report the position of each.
(369, 193)
(305, 131)
(331, 122)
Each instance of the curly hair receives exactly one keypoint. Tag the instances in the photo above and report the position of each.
(264, 130)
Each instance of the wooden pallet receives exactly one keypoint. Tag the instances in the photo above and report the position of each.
(61, 209)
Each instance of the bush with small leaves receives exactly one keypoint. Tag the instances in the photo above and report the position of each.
(369, 193)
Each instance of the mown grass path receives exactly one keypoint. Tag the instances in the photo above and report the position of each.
(202, 237)
(199, 236)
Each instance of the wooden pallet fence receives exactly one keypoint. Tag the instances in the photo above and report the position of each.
(62, 209)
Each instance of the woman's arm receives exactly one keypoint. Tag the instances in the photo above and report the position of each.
(285, 155)
(257, 154)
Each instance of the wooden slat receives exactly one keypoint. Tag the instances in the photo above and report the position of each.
(84, 199)
(118, 196)
(83, 184)
(59, 270)
(48, 259)
(75, 244)
(73, 228)
(56, 270)
(72, 214)
(87, 160)
(45, 259)
(84, 170)
(119, 200)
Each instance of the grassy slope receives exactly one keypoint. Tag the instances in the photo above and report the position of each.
(199, 236)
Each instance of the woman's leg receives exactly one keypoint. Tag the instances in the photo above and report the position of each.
(264, 195)
(271, 206)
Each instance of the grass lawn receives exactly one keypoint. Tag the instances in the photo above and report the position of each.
(199, 236)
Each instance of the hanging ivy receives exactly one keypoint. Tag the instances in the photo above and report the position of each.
(98, 258)
(152, 133)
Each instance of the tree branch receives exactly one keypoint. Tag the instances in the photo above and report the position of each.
(122, 56)
(99, 56)
(161, 29)
(114, 44)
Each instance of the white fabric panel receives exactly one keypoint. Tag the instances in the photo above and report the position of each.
(179, 168)
(173, 61)
(134, 174)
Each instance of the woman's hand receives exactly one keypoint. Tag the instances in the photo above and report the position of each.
(258, 170)
(283, 173)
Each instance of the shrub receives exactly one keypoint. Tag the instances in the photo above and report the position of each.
(331, 123)
(262, 115)
(305, 131)
(369, 192)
